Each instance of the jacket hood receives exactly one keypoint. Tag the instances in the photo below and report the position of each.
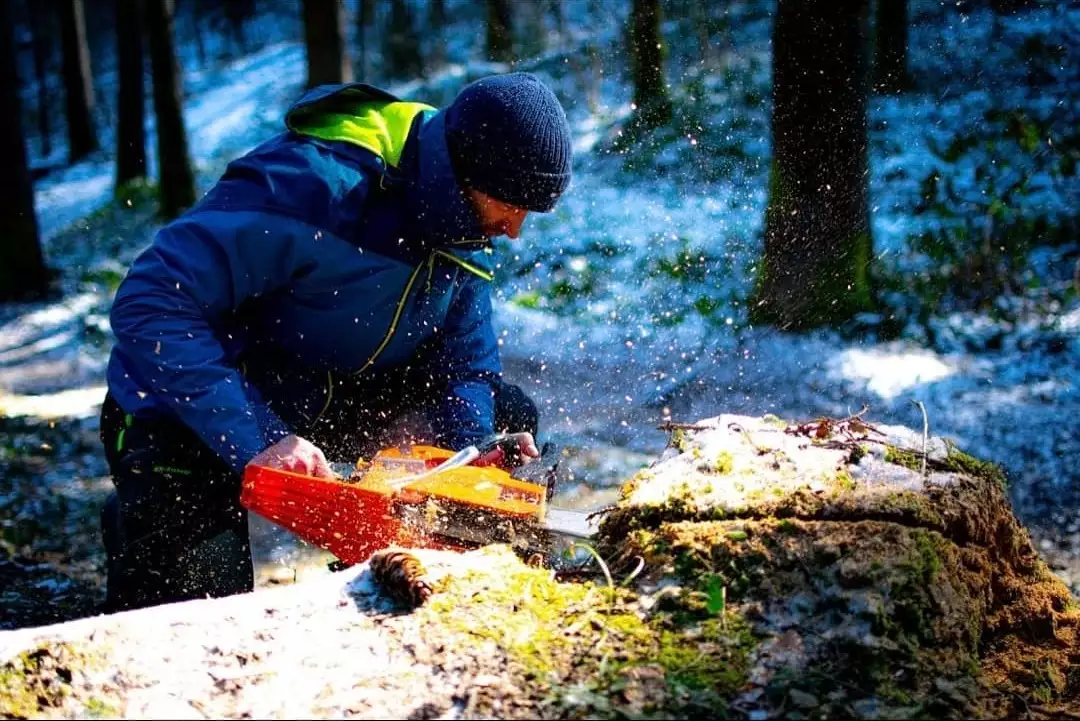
(410, 141)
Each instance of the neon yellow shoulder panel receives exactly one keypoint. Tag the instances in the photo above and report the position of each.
(380, 126)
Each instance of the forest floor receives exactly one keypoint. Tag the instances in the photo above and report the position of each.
(626, 305)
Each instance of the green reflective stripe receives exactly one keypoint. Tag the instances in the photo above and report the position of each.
(380, 126)
(394, 321)
(329, 395)
(172, 469)
(128, 420)
(466, 265)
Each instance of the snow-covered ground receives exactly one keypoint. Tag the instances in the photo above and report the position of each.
(624, 306)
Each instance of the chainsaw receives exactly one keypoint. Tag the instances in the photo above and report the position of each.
(423, 496)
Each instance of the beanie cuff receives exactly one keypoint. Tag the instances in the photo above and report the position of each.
(536, 192)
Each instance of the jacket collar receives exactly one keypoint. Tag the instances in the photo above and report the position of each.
(435, 202)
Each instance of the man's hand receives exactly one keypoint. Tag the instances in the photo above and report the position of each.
(297, 455)
(507, 450)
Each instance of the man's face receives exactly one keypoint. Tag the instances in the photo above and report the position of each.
(496, 217)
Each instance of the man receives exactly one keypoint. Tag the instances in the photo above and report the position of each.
(335, 277)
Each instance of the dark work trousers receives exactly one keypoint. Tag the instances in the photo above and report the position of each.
(174, 529)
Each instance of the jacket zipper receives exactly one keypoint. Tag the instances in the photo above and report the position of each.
(394, 321)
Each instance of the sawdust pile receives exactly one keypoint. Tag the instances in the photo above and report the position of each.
(758, 569)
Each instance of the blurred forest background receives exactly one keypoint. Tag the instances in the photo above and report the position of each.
(779, 206)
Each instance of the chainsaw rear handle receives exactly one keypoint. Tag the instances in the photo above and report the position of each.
(501, 449)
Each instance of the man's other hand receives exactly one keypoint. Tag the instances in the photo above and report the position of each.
(297, 455)
(507, 450)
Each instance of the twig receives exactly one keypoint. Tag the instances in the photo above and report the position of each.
(925, 434)
(855, 416)
(672, 426)
(635, 572)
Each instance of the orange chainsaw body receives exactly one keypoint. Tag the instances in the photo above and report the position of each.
(354, 517)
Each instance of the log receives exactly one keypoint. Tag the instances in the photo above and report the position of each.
(756, 569)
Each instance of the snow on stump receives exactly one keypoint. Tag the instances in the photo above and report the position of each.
(757, 569)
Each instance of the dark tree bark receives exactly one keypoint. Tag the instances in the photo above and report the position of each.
(131, 102)
(402, 46)
(437, 25)
(365, 18)
(700, 19)
(555, 7)
(196, 14)
(647, 64)
(78, 81)
(534, 33)
(500, 31)
(890, 41)
(237, 13)
(816, 269)
(23, 275)
(42, 49)
(177, 184)
(324, 37)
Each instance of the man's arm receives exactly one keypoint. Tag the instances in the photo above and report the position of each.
(467, 359)
(200, 268)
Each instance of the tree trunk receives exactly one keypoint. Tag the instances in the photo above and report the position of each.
(890, 56)
(237, 13)
(534, 35)
(42, 49)
(700, 19)
(197, 32)
(23, 275)
(365, 17)
(647, 64)
(324, 37)
(555, 7)
(130, 104)
(816, 269)
(402, 49)
(78, 85)
(177, 184)
(437, 25)
(500, 33)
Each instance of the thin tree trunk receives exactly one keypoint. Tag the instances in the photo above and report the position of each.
(402, 49)
(699, 13)
(237, 13)
(197, 32)
(42, 50)
(437, 25)
(78, 86)
(324, 37)
(556, 9)
(890, 56)
(130, 103)
(365, 17)
(647, 61)
(500, 33)
(816, 269)
(177, 184)
(534, 35)
(23, 275)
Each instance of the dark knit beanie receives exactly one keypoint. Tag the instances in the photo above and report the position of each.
(508, 137)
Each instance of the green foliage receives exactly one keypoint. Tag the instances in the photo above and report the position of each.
(978, 235)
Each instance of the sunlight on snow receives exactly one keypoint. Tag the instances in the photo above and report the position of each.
(889, 373)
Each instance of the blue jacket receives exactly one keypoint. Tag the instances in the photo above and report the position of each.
(340, 248)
